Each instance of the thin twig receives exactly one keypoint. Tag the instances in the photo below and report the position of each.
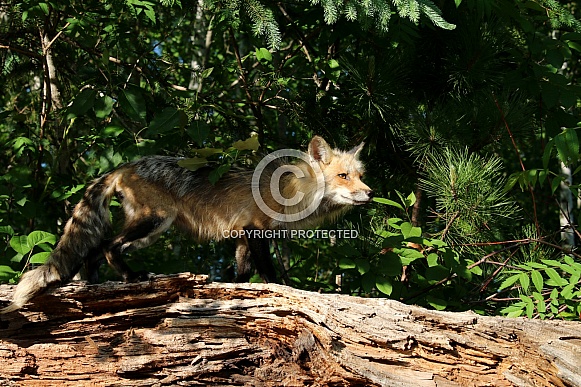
(20, 50)
(495, 273)
(47, 47)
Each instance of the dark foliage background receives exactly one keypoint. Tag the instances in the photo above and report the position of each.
(469, 109)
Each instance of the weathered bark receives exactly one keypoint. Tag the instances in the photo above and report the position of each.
(179, 330)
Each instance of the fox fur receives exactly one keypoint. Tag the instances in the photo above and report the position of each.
(155, 193)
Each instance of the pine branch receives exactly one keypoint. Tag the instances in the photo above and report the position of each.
(429, 9)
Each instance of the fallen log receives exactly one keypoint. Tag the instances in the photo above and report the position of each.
(181, 330)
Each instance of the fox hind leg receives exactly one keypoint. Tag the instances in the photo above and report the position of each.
(93, 262)
(255, 249)
(137, 234)
(260, 254)
(243, 260)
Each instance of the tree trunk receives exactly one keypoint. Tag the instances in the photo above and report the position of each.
(180, 330)
(566, 208)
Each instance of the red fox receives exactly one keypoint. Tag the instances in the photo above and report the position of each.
(155, 192)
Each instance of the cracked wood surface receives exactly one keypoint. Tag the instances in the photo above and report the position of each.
(180, 330)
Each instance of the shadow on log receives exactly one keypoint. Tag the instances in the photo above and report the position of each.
(180, 330)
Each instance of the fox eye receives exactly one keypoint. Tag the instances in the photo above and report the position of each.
(343, 176)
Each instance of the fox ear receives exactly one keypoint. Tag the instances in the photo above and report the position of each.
(319, 150)
(357, 150)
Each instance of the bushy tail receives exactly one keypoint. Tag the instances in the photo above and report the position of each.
(83, 232)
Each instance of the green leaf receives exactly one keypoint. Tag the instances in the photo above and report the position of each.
(206, 73)
(555, 297)
(531, 177)
(570, 269)
(6, 273)
(84, 101)
(436, 303)
(524, 281)
(432, 259)
(410, 200)
(40, 258)
(509, 281)
(395, 223)
(44, 7)
(346, 263)
(388, 202)
(555, 183)
(166, 120)
(529, 305)
(555, 58)
(112, 131)
(389, 264)
(436, 243)
(437, 273)
(248, 144)
(408, 255)
(575, 46)
(547, 153)
(537, 279)
(541, 306)
(551, 262)
(363, 266)
(477, 270)
(567, 145)
(567, 291)
(536, 265)
(132, 103)
(384, 285)
(217, 173)
(409, 231)
(103, 107)
(368, 282)
(20, 244)
(555, 278)
(37, 237)
(464, 272)
(21, 143)
(571, 36)
(7, 230)
(198, 131)
(207, 152)
(194, 163)
(569, 260)
(263, 55)
(542, 176)
(333, 72)
(516, 313)
(511, 181)
(150, 13)
(515, 310)
(17, 258)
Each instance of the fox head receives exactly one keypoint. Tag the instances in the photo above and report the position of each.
(342, 171)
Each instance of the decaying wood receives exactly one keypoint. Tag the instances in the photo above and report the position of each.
(180, 330)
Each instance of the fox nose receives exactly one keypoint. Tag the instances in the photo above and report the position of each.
(370, 194)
